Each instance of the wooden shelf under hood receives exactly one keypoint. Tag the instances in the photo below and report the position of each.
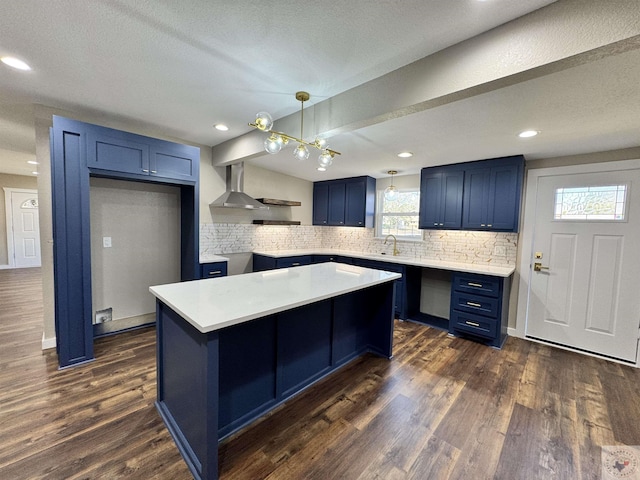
(276, 222)
(281, 203)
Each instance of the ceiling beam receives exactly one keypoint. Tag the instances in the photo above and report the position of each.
(560, 36)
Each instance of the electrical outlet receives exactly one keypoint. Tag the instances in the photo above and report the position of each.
(105, 315)
(106, 242)
(500, 251)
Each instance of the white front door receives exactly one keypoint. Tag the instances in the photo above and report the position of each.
(25, 229)
(586, 240)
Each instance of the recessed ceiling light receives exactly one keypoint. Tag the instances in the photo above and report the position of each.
(221, 126)
(528, 133)
(405, 154)
(321, 169)
(32, 162)
(15, 63)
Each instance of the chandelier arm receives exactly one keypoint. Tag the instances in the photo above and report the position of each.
(296, 139)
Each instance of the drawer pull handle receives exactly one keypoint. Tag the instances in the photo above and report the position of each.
(473, 304)
(215, 272)
(296, 264)
(473, 324)
(471, 284)
(145, 170)
(154, 171)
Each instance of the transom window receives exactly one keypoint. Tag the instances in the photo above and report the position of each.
(399, 216)
(605, 202)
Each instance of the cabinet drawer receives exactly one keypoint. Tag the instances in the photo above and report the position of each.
(287, 262)
(212, 270)
(474, 324)
(477, 284)
(475, 304)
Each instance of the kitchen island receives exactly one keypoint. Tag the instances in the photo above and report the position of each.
(230, 349)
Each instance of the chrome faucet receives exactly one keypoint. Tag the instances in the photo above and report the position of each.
(395, 244)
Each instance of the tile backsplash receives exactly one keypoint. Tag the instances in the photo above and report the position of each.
(493, 248)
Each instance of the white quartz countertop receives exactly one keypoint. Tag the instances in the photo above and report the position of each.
(483, 269)
(210, 258)
(215, 303)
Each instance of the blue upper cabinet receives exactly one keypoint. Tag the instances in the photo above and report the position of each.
(346, 202)
(441, 197)
(482, 195)
(123, 152)
(492, 191)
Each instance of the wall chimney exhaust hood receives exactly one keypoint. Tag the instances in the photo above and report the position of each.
(235, 197)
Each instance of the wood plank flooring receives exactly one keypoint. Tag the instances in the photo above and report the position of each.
(442, 408)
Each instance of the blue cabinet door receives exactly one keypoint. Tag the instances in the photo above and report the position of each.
(169, 161)
(475, 198)
(336, 203)
(320, 203)
(504, 197)
(451, 206)
(430, 197)
(115, 152)
(354, 212)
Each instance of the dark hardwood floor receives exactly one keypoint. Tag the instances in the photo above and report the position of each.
(441, 408)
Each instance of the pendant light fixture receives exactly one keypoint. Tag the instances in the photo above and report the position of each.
(391, 192)
(276, 140)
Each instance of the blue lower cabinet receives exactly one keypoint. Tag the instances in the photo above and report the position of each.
(213, 270)
(479, 308)
(400, 290)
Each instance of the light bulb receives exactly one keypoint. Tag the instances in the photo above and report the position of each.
(325, 160)
(390, 193)
(321, 143)
(301, 152)
(273, 144)
(264, 121)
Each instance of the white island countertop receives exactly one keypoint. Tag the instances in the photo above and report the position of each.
(216, 303)
(480, 268)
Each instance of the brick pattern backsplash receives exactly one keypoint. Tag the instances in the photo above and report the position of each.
(459, 246)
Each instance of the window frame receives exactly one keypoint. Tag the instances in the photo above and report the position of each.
(624, 219)
(380, 214)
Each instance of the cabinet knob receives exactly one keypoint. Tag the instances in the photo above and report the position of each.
(482, 225)
(440, 224)
(154, 171)
(145, 170)
(489, 225)
(435, 224)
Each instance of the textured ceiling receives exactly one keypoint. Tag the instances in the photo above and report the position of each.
(175, 68)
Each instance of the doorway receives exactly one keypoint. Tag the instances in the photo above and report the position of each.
(580, 262)
(23, 228)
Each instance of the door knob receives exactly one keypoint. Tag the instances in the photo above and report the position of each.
(538, 267)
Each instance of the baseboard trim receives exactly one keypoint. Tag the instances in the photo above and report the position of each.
(512, 332)
(48, 343)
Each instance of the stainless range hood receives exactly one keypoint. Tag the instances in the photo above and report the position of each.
(234, 197)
